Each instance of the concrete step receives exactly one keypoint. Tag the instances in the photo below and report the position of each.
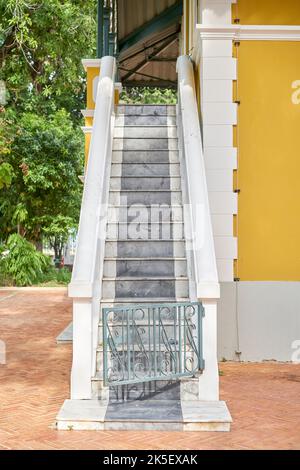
(144, 120)
(115, 267)
(145, 156)
(156, 390)
(146, 110)
(145, 132)
(142, 169)
(145, 249)
(108, 303)
(145, 230)
(129, 197)
(145, 144)
(145, 183)
(148, 214)
(147, 287)
(142, 415)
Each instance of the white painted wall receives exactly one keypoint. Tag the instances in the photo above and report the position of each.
(260, 319)
(219, 115)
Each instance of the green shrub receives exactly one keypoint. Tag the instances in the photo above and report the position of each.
(54, 276)
(21, 263)
(146, 95)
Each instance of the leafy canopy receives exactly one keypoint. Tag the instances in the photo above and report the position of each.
(42, 82)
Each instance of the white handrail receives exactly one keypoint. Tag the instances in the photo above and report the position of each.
(85, 286)
(202, 243)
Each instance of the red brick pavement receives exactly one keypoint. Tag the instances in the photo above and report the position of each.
(264, 399)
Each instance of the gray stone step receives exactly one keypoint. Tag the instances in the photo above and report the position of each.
(145, 183)
(108, 303)
(148, 214)
(144, 120)
(145, 169)
(146, 198)
(145, 156)
(156, 390)
(142, 415)
(145, 230)
(145, 287)
(114, 267)
(145, 132)
(147, 110)
(145, 144)
(145, 249)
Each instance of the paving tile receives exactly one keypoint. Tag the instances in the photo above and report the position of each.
(263, 399)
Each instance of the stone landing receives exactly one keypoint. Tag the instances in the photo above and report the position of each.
(151, 415)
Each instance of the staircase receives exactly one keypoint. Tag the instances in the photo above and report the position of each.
(145, 178)
(145, 257)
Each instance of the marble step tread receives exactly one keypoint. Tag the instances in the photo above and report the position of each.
(147, 177)
(146, 278)
(137, 240)
(171, 258)
(144, 206)
(148, 138)
(144, 163)
(134, 126)
(145, 132)
(150, 224)
(145, 120)
(145, 190)
(145, 144)
(144, 415)
(145, 156)
(141, 301)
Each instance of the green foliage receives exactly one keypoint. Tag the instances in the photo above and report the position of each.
(6, 175)
(146, 95)
(42, 44)
(53, 277)
(21, 262)
(45, 158)
(58, 232)
(43, 85)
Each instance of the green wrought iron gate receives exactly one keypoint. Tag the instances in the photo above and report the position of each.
(152, 342)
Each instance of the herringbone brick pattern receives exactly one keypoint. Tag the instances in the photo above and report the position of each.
(264, 399)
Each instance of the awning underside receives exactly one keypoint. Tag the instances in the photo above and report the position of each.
(148, 39)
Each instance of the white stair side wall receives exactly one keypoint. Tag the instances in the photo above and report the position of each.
(219, 115)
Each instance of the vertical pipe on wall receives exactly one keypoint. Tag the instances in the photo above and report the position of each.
(100, 29)
(106, 27)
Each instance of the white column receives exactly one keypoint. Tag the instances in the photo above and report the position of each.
(81, 386)
(219, 115)
(209, 379)
(85, 287)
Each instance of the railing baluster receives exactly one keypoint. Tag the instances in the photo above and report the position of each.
(149, 343)
(127, 349)
(175, 339)
(159, 337)
(105, 371)
(154, 342)
(180, 342)
(167, 357)
(184, 339)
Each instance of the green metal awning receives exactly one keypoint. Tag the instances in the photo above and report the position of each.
(144, 35)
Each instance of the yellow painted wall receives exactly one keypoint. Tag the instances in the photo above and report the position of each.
(92, 72)
(268, 139)
(268, 12)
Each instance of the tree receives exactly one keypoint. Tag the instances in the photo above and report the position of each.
(58, 233)
(42, 43)
(46, 157)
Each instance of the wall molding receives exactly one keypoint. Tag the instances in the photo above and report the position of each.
(248, 32)
(91, 63)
